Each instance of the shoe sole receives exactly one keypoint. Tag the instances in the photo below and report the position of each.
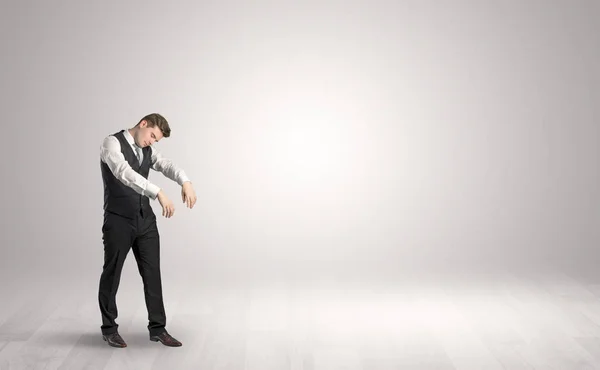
(113, 345)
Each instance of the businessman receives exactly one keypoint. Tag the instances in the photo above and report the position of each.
(126, 158)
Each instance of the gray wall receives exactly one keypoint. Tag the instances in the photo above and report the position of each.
(319, 135)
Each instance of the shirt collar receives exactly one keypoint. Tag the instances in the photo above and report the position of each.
(129, 138)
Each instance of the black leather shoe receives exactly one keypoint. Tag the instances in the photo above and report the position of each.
(114, 340)
(166, 339)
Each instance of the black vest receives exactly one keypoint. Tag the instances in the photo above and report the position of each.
(118, 197)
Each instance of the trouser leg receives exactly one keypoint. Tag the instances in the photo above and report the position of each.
(146, 248)
(117, 235)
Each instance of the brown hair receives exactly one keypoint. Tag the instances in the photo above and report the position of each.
(155, 119)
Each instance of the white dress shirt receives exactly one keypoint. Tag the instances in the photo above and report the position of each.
(110, 153)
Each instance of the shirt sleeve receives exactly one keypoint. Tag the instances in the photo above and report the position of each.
(110, 153)
(167, 167)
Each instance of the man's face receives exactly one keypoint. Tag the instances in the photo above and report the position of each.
(148, 135)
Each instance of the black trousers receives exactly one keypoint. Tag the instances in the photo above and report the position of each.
(119, 235)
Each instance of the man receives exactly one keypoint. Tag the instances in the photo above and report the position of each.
(130, 223)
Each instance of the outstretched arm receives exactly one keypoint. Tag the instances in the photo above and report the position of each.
(168, 168)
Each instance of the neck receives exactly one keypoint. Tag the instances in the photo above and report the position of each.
(132, 133)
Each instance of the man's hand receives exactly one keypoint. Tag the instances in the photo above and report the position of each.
(188, 196)
(167, 205)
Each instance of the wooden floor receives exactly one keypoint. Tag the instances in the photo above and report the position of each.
(507, 321)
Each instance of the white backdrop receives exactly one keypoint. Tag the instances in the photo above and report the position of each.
(341, 135)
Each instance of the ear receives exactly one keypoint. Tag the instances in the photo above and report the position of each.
(143, 123)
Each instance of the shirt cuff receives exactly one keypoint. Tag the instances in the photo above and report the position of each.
(152, 191)
(183, 178)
